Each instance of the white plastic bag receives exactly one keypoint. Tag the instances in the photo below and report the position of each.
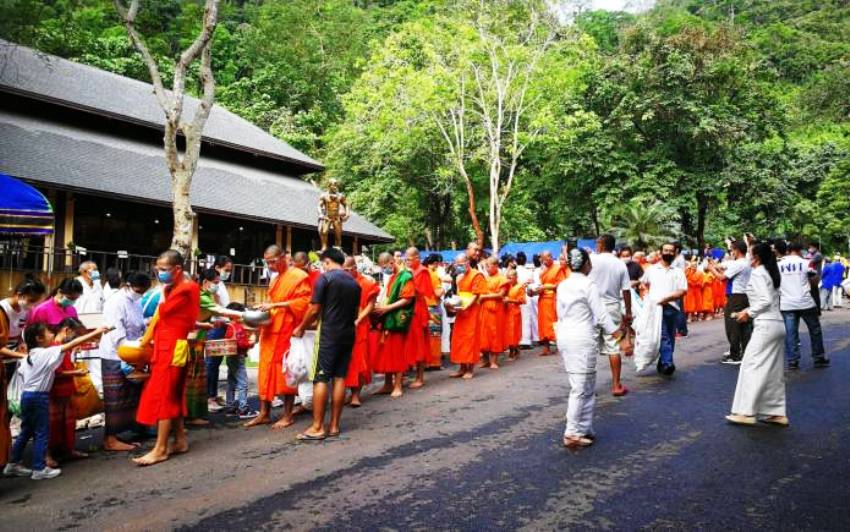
(647, 326)
(14, 391)
(254, 353)
(295, 365)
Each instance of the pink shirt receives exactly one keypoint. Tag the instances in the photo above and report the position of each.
(51, 313)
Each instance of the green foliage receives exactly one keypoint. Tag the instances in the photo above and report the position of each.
(697, 119)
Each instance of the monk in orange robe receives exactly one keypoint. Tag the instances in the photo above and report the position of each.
(162, 402)
(471, 285)
(418, 336)
(718, 288)
(435, 329)
(550, 278)
(359, 373)
(491, 338)
(693, 299)
(398, 302)
(288, 298)
(513, 314)
(707, 296)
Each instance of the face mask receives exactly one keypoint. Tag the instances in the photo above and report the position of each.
(165, 277)
(65, 302)
(388, 271)
(25, 306)
(225, 276)
(460, 270)
(95, 275)
(135, 296)
(668, 258)
(213, 288)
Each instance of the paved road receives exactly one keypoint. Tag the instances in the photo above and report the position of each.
(486, 454)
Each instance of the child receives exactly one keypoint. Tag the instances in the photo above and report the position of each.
(236, 397)
(63, 419)
(38, 372)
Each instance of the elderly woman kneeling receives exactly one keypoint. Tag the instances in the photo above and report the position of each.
(580, 316)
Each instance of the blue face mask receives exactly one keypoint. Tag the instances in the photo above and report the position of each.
(165, 277)
(460, 270)
(66, 302)
(388, 271)
(95, 275)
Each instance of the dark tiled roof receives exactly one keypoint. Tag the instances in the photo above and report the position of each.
(50, 78)
(80, 159)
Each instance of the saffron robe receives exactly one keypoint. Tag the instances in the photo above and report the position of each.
(718, 288)
(693, 298)
(466, 330)
(359, 372)
(292, 286)
(546, 314)
(435, 326)
(163, 392)
(391, 352)
(492, 335)
(418, 346)
(513, 315)
(707, 293)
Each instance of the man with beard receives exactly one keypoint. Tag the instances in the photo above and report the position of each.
(666, 285)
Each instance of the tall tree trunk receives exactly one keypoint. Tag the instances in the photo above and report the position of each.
(476, 225)
(702, 214)
(184, 218)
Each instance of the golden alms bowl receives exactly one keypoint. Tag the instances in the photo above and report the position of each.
(133, 353)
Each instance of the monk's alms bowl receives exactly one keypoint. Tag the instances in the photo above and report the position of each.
(131, 352)
(256, 318)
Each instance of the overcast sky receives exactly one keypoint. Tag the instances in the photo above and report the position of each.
(621, 5)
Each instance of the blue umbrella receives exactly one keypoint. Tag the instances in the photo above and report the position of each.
(24, 211)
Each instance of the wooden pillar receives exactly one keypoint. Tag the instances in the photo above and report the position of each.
(68, 231)
(278, 235)
(355, 244)
(289, 239)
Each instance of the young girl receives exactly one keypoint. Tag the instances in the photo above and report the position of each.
(237, 376)
(63, 419)
(38, 372)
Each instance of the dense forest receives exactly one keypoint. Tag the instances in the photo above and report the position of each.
(695, 119)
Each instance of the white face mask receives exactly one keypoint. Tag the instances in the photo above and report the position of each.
(24, 306)
(135, 296)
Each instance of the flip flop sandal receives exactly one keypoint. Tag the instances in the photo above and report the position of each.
(310, 437)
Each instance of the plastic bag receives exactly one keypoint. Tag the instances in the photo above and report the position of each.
(14, 391)
(254, 353)
(295, 363)
(647, 326)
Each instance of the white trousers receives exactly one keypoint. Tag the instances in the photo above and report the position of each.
(446, 338)
(838, 296)
(580, 405)
(529, 322)
(761, 379)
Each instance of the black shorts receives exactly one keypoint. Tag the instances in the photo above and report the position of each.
(333, 361)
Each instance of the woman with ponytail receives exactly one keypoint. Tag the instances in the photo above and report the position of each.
(760, 393)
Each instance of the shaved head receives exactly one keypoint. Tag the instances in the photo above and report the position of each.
(385, 259)
(273, 251)
(349, 262)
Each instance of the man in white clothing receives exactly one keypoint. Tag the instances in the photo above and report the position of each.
(737, 274)
(525, 276)
(667, 286)
(611, 278)
(91, 302)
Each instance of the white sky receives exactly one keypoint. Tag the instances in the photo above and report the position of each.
(622, 5)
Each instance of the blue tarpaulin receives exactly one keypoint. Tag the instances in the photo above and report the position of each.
(529, 248)
(24, 211)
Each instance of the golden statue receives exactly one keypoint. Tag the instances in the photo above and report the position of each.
(333, 211)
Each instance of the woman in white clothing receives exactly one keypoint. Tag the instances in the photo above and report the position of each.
(580, 315)
(761, 379)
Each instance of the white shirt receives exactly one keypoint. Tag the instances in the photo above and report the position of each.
(610, 276)
(795, 291)
(738, 273)
(108, 292)
(762, 296)
(91, 302)
(17, 320)
(664, 281)
(126, 316)
(223, 295)
(580, 312)
(38, 376)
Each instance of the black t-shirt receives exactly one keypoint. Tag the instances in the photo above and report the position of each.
(339, 295)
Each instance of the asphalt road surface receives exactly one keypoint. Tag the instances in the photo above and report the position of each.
(487, 454)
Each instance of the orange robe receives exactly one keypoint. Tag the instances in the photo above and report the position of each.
(546, 313)
(513, 315)
(693, 298)
(435, 341)
(465, 348)
(418, 345)
(718, 288)
(163, 393)
(359, 372)
(291, 286)
(492, 335)
(707, 293)
(391, 357)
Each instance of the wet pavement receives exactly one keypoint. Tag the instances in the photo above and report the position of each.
(487, 454)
